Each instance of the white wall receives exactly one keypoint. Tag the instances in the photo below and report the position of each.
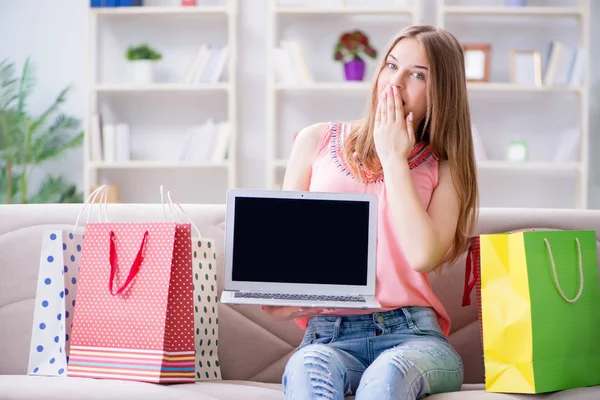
(54, 35)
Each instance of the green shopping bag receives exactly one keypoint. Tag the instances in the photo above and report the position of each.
(540, 300)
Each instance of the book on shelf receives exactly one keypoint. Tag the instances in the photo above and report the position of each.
(208, 65)
(567, 146)
(109, 142)
(95, 138)
(290, 64)
(208, 142)
(564, 65)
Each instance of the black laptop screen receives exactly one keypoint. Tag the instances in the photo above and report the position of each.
(300, 241)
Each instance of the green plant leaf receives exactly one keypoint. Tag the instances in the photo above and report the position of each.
(27, 141)
(8, 84)
(4, 185)
(142, 52)
(26, 84)
(50, 143)
(56, 190)
(50, 110)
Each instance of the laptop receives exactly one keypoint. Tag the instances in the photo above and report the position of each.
(296, 248)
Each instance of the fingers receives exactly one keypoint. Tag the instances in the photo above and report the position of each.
(410, 127)
(398, 107)
(384, 106)
(391, 104)
(378, 114)
(285, 313)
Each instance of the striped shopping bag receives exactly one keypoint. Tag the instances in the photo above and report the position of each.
(135, 311)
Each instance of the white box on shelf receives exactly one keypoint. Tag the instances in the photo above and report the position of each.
(95, 139)
(108, 142)
(122, 142)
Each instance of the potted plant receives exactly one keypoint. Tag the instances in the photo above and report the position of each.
(348, 50)
(27, 141)
(142, 58)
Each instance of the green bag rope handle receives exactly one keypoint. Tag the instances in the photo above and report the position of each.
(556, 277)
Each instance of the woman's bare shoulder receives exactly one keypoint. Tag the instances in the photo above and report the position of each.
(307, 140)
(313, 132)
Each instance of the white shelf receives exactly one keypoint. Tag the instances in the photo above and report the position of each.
(324, 86)
(156, 164)
(108, 98)
(343, 10)
(130, 11)
(529, 166)
(473, 86)
(161, 87)
(512, 87)
(514, 11)
(579, 13)
(278, 16)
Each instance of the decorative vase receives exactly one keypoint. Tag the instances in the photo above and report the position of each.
(142, 71)
(354, 70)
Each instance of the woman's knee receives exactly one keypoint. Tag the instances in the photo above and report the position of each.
(315, 368)
(414, 370)
(314, 358)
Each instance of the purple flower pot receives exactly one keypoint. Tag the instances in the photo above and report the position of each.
(354, 70)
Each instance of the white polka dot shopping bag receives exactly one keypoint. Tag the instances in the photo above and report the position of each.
(54, 302)
(55, 299)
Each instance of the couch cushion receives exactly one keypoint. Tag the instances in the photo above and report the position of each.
(21, 387)
(481, 394)
(54, 388)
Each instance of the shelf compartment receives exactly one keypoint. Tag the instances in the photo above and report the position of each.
(156, 164)
(149, 10)
(514, 11)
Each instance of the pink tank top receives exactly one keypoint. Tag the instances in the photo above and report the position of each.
(397, 284)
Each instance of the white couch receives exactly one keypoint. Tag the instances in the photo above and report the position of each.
(253, 349)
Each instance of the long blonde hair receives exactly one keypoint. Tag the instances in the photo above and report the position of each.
(446, 126)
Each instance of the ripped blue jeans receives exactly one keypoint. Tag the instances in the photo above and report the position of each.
(400, 354)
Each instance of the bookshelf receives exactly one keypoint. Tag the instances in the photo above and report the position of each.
(316, 26)
(163, 117)
(547, 110)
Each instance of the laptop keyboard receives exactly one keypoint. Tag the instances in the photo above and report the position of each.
(310, 297)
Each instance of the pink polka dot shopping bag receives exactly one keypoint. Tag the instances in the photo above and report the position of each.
(55, 298)
(135, 304)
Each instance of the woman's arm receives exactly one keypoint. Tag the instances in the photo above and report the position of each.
(298, 171)
(425, 235)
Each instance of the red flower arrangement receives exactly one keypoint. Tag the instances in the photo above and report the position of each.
(351, 45)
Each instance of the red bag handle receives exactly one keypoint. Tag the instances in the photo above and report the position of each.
(135, 267)
(472, 255)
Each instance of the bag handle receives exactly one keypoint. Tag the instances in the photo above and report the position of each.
(135, 267)
(472, 256)
(173, 205)
(90, 201)
(556, 276)
(170, 204)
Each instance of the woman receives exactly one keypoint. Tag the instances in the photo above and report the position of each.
(413, 148)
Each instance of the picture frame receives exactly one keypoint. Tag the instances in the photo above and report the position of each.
(477, 61)
(526, 67)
